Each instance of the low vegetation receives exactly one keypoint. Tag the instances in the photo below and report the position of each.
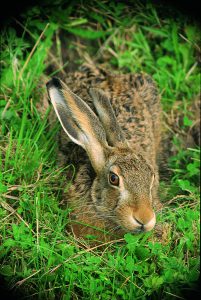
(39, 259)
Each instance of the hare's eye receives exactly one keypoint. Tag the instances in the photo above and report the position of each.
(113, 179)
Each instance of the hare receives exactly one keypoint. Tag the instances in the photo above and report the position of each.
(114, 124)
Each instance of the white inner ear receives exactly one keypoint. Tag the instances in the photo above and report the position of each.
(58, 100)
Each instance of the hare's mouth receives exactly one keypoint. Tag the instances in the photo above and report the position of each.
(137, 231)
(131, 224)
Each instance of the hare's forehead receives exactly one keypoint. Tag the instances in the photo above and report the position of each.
(136, 176)
(132, 166)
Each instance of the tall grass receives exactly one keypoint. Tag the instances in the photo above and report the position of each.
(39, 259)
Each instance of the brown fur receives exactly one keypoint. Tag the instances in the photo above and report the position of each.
(136, 104)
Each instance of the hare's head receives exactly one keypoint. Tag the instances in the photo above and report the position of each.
(122, 189)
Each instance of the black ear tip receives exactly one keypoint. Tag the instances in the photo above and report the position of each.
(54, 82)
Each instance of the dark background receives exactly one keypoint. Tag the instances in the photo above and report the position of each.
(11, 9)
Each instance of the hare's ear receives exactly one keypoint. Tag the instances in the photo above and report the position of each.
(79, 122)
(115, 135)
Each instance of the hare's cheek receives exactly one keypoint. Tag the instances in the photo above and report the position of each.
(111, 198)
(105, 199)
(124, 217)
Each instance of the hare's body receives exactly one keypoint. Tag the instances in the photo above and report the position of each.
(136, 128)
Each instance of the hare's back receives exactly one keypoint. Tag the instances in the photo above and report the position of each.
(134, 98)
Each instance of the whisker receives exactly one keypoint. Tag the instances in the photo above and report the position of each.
(114, 229)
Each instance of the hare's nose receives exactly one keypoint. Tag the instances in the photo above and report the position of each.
(141, 225)
(146, 226)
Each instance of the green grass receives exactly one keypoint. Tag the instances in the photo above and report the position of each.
(39, 258)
